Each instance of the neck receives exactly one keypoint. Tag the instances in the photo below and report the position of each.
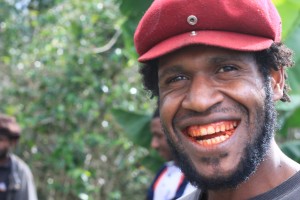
(263, 179)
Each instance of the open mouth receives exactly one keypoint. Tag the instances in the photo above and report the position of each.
(212, 134)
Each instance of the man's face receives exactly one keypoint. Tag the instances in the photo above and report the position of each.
(212, 104)
(159, 140)
(4, 146)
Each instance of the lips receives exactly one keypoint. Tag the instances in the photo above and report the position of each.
(212, 134)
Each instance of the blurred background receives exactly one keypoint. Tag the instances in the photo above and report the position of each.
(69, 74)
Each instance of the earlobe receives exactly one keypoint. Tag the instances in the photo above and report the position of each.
(277, 83)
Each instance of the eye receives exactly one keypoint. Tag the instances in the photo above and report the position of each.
(227, 68)
(176, 79)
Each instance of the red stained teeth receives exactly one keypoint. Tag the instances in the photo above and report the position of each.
(211, 134)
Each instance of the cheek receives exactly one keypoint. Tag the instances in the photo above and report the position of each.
(4, 145)
(169, 106)
(256, 89)
(248, 93)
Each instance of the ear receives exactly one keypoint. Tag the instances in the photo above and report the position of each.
(277, 81)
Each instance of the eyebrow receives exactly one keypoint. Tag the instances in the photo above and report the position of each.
(224, 58)
(214, 60)
(170, 70)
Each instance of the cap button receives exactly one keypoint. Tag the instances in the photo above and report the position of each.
(192, 20)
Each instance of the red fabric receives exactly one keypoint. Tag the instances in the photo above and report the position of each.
(180, 182)
(159, 178)
(245, 25)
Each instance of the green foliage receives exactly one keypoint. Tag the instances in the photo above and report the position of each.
(133, 10)
(136, 125)
(289, 12)
(289, 113)
(137, 129)
(63, 66)
(292, 149)
(293, 42)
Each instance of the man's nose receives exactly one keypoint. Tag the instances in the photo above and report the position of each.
(154, 143)
(202, 94)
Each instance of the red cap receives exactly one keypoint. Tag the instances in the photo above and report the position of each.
(243, 25)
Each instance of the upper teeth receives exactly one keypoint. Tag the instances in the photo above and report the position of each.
(195, 131)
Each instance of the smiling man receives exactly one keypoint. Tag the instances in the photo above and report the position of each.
(218, 67)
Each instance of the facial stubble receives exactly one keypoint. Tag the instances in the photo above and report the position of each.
(253, 154)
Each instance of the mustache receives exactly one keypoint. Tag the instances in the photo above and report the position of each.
(212, 110)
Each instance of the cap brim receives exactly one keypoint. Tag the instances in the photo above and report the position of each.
(229, 40)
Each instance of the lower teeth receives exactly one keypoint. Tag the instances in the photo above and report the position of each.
(214, 140)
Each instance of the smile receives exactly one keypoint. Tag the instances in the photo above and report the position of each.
(212, 134)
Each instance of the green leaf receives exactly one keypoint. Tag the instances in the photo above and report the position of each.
(289, 12)
(292, 149)
(153, 161)
(134, 8)
(293, 42)
(294, 104)
(290, 120)
(135, 125)
(287, 115)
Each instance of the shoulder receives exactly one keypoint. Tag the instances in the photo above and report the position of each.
(288, 190)
(19, 165)
(17, 160)
(192, 196)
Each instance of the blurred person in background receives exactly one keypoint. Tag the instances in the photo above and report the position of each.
(16, 180)
(169, 182)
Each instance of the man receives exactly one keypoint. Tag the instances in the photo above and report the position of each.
(16, 180)
(169, 182)
(218, 67)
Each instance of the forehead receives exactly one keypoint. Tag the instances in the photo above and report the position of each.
(210, 54)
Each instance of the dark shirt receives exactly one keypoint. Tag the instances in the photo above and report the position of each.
(288, 190)
(5, 171)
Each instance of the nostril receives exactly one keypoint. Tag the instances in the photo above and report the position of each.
(202, 94)
(201, 103)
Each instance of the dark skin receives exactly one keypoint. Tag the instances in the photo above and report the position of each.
(196, 86)
(159, 140)
(6, 144)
